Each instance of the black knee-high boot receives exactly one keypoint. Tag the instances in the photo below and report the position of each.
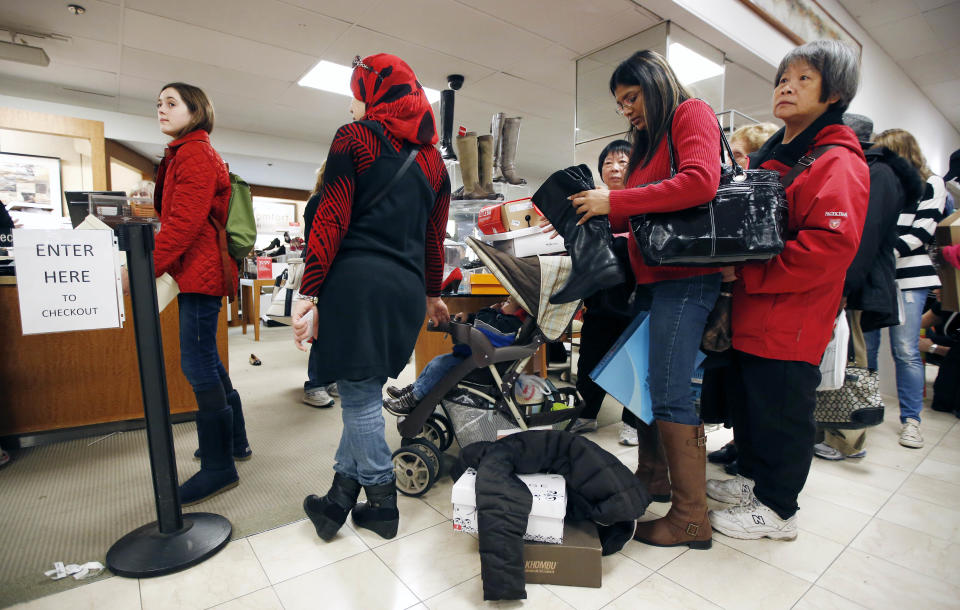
(590, 245)
(379, 513)
(329, 513)
(215, 431)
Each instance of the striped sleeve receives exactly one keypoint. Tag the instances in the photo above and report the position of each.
(916, 229)
(436, 173)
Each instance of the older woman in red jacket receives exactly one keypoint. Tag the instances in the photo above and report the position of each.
(784, 309)
(193, 188)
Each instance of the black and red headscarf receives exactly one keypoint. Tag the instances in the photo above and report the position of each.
(389, 88)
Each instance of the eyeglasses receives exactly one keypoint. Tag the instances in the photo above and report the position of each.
(627, 102)
(358, 62)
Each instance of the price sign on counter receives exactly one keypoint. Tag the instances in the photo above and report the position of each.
(67, 280)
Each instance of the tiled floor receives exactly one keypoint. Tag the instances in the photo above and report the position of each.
(881, 532)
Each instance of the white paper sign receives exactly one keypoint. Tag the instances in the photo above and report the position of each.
(67, 280)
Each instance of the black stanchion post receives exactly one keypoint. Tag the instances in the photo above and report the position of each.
(175, 541)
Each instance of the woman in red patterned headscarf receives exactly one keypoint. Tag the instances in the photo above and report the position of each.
(375, 249)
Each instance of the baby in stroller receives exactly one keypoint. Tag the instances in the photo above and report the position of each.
(499, 323)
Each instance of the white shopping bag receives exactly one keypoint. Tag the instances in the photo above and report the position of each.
(833, 367)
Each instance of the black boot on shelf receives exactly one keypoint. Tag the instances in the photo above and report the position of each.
(217, 472)
(379, 513)
(446, 124)
(329, 513)
(590, 245)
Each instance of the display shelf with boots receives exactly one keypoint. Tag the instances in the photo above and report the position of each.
(508, 153)
(329, 513)
(379, 513)
(590, 245)
(686, 523)
(217, 471)
(652, 463)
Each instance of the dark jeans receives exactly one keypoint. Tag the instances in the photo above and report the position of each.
(773, 425)
(678, 314)
(199, 358)
(598, 334)
(314, 378)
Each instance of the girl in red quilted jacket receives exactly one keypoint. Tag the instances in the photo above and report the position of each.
(193, 187)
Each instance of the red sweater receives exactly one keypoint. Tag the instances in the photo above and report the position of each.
(784, 308)
(696, 143)
(193, 184)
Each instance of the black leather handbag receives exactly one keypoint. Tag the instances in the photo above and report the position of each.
(746, 221)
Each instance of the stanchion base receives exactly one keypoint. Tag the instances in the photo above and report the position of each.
(147, 552)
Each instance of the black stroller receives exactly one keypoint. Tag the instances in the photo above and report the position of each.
(479, 398)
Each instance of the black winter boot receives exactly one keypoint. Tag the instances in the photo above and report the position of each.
(379, 513)
(329, 513)
(217, 472)
(446, 124)
(240, 447)
(590, 245)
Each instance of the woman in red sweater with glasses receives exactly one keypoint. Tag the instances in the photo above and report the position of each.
(649, 95)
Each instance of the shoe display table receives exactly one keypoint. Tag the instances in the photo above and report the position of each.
(66, 380)
(250, 303)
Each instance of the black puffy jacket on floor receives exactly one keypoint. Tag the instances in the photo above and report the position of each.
(599, 489)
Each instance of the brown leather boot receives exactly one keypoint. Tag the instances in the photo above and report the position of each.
(687, 522)
(652, 463)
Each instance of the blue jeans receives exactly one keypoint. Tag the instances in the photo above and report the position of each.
(363, 454)
(906, 354)
(199, 358)
(435, 370)
(314, 379)
(678, 314)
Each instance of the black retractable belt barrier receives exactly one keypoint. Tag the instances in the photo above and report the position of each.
(174, 541)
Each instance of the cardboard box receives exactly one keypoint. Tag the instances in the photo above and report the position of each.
(485, 283)
(519, 215)
(525, 242)
(575, 562)
(546, 516)
(948, 234)
(490, 219)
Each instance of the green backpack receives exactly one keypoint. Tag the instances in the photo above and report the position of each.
(241, 226)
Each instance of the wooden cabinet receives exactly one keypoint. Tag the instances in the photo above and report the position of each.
(65, 380)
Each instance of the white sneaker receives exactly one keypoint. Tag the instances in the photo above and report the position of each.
(910, 434)
(583, 425)
(317, 397)
(826, 452)
(752, 521)
(738, 490)
(333, 390)
(628, 435)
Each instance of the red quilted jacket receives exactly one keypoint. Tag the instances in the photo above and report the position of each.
(192, 185)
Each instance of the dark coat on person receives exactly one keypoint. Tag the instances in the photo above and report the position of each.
(870, 284)
(599, 489)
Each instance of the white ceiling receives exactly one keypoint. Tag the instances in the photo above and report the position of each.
(923, 37)
(517, 57)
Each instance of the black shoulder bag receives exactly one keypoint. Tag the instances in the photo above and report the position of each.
(745, 221)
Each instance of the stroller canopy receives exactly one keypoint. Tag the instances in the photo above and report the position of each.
(531, 281)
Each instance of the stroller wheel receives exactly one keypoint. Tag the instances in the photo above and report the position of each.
(413, 471)
(429, 449)
(438, 430)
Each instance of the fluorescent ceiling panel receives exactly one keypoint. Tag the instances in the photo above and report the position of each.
(690, 66)
(328, 76)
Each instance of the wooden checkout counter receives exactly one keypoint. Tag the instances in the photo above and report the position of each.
(65, 380)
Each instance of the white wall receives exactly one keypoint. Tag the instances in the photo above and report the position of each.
(887, 95)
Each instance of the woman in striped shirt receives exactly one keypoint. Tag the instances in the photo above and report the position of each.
(915, 277)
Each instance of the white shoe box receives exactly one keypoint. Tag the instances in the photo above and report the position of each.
(525, 242)
(546, 516)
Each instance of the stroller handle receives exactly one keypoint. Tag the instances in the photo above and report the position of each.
(433, 328)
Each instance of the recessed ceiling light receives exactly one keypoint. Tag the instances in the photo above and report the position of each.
(690, 66)
(328, 76)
